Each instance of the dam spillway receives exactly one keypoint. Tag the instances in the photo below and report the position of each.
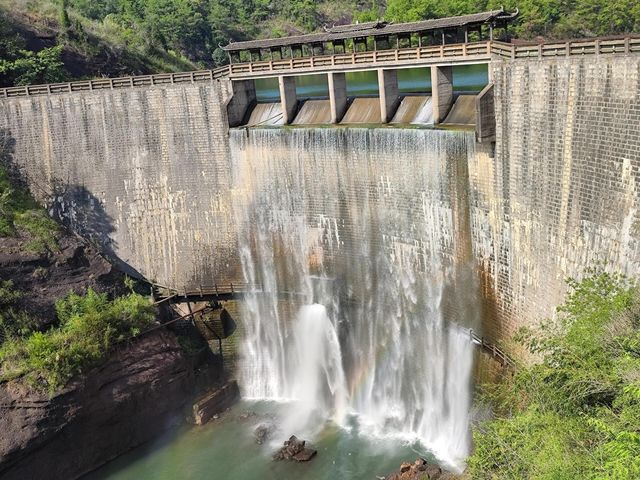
(379, 252)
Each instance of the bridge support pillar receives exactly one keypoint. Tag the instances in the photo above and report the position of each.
(337, 95)
(389, 99)
(441, 92)
(244, 97)
(288, 98)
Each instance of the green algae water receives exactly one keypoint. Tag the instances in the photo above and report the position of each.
(226, 448)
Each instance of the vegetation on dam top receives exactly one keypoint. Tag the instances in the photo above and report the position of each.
(45, 41)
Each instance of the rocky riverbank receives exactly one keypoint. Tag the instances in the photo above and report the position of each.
(138, 392)
(140, 388)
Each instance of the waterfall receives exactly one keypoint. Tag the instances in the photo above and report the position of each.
(359, 241)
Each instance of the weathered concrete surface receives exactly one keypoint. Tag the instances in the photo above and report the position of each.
(561, 193)
(142, 171)
(314, 112)
(243, 98)
(463, 111)
(288, 98)
(441, 92)
(145, 172)
(485, 115)
(337, 83)
(389, 97)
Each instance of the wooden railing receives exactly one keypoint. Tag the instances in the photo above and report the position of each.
(114, 83)
(469, 52)
(431, 54)
(598, 46)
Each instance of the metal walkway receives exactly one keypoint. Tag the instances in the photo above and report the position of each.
(212, 293)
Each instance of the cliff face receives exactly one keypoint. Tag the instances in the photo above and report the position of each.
(136, 394)
(137, 391)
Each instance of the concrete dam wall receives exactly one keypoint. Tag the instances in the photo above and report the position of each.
(147, 172)
(562, 192)
(142, 171)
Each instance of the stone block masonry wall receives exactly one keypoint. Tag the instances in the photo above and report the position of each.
(142, 171)
(561, 193)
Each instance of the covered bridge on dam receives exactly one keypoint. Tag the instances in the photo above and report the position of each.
(331, 60)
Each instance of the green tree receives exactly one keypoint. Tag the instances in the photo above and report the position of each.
(174, 23)
(576, 413)
(29, 67)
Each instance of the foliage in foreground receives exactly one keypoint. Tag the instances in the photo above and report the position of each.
(19, 213)
(89, 326)
(576, 414)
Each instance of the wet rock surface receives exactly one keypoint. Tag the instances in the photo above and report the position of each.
(263, 432)
(215, 402)
(296, 450)
(137, 393)
(420, 470)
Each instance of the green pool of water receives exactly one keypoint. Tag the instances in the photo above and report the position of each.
(226, 449)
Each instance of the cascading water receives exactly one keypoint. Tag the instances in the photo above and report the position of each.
(359, 241)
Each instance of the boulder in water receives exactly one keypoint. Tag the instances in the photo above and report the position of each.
(419, 470)
(295, 449)
(263, 432)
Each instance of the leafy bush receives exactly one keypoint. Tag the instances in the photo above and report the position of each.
(26, 67)
(576, 414)
(89, 326)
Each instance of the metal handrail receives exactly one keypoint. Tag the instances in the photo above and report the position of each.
(495, 351)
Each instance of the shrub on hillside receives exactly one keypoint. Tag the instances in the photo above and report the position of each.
(575, 414)
(89, 326)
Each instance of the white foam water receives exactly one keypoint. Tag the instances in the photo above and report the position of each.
(367, 228)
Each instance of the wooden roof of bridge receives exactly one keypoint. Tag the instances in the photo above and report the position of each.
(373, 29)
